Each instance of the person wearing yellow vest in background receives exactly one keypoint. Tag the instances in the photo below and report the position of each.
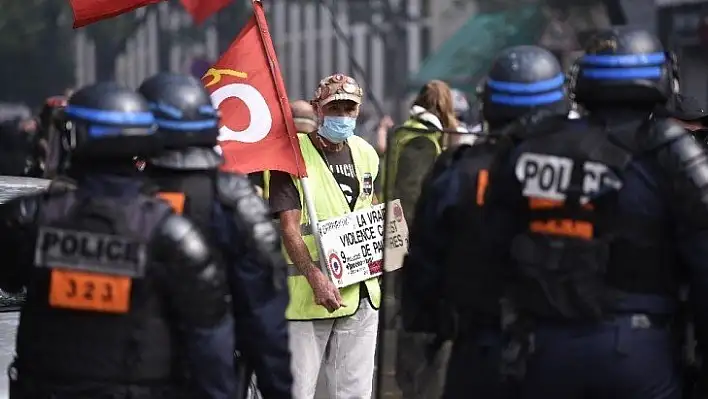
(413, 153)
(336, 326)
(418, 374)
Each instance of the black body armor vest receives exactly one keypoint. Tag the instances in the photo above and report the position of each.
(191, 193)
(94, 312)
(473, 275)
(578, 251)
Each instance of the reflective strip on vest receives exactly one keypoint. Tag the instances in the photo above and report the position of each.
(329, 203)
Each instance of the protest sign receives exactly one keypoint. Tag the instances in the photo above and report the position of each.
(353, 244)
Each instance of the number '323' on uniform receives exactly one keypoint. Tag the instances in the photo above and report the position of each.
(122, 294)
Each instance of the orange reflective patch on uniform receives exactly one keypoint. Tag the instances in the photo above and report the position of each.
(90, 291)
(543, 203)
(482, 184)
(176, 201)
(560, 227)
(564, 227)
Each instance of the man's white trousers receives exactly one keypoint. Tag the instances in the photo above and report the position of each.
(345, 347)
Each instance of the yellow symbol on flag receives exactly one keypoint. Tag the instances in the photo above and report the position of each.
(217, 73)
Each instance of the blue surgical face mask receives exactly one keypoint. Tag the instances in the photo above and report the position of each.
(337, 128)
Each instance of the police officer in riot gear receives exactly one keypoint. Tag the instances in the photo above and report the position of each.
(227, 208)
(125, 299)
(607, 210)
(523, 94)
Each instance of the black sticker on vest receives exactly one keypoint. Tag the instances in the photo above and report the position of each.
(368, 186)
(91, 252)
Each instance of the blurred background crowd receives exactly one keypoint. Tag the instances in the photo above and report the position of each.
(392, 47)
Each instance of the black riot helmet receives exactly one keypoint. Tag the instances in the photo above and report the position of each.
(523, 78)
(624, 66)
(187, 121)
(183, 110)
(105, 122)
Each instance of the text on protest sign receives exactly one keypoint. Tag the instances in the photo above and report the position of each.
(354, 247)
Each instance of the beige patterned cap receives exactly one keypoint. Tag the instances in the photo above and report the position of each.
(338, 87)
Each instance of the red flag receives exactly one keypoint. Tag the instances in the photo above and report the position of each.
(89, 11)
(257, 130)
(200, 10)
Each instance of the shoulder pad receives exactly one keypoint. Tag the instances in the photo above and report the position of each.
(179, 233)
(237, 192)
(174, 227)
(192, 158)
(661, 131)
(251, 213)
(232, 187)
(191, 272)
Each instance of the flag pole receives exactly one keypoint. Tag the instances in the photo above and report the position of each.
(262, 25)
(311, 212)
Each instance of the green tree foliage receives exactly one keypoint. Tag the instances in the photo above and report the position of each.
(35, 49)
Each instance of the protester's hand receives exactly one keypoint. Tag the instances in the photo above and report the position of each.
(381, 134)
(326, 293)
(386, 122)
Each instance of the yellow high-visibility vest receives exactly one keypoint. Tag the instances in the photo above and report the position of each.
(330, 203)
(266, 184)
(401, 138)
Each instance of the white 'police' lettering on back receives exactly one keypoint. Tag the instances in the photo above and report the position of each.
(548, 177)
(89, 251)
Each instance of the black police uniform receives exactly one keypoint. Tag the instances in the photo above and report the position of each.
(454, 227)
(227, 208)
(608, 208)
(124, 298)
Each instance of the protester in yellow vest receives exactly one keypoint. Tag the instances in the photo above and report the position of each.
(339, 326)
(412, 153)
